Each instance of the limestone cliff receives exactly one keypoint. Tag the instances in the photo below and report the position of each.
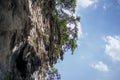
(24, 39)
(30, 39)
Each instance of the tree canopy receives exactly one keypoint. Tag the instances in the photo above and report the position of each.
(63, 32)
(66, 20)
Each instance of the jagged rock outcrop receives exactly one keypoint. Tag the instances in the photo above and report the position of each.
(25, 39)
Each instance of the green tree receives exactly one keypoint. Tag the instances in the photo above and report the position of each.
(65, 11)
(65, 36)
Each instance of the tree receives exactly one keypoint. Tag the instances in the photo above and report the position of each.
(64, 31)
(65, 13)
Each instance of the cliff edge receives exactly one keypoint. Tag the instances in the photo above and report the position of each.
(30, 39)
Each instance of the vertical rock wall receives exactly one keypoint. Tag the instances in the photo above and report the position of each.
(24, 40)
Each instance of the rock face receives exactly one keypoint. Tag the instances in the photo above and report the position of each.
(24, 39)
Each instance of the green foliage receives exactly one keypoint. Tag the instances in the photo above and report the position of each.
(54, 15)
(63, 30)
(60, 33)
(60, 40)
(57, 52)
(73, 45)
(61, 18)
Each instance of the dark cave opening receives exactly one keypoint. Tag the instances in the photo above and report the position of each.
(27, 61)
(21, 65)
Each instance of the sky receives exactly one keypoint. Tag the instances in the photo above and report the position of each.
(97, 56)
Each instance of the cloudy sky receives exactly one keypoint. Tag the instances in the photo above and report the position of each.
(97, 56)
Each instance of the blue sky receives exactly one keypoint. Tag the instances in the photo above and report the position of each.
(97, 56)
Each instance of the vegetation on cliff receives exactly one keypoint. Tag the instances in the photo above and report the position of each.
(64, 31)
(34, 35)
(64, 27)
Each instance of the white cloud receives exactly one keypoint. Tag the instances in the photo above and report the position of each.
(112, 47)
(100, 66)
(86, 3)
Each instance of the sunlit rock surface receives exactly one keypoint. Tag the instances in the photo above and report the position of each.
(24, 39)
